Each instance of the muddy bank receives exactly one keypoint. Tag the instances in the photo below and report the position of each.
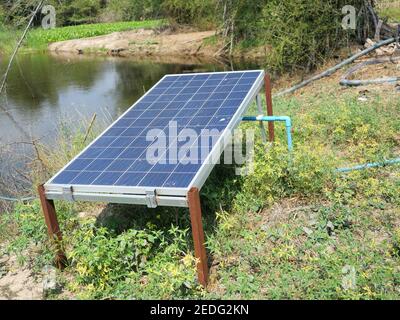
(142, 43)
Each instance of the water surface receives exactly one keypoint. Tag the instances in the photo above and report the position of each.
(43, 90)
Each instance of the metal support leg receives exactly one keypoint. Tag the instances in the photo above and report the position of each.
(53, 227)
(261, 124)
(270, 110)
(288, 123)
(198, 235)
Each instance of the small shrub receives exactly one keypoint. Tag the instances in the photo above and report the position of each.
(101, 258)
(311, 170)
(307, 172)
(153, 263)
(265, 184)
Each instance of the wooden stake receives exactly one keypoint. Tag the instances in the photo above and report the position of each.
(270, 110)
(198, 235)
(53, 227)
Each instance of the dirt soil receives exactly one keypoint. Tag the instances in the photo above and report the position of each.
(18, 283)
(140, 43)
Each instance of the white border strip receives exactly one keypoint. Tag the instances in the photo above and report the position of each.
(120, 198)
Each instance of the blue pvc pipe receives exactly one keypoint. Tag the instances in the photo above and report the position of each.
(370, 165)
(288, 122)
(285, 119)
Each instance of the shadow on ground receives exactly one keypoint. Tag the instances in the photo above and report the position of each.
(214, 196)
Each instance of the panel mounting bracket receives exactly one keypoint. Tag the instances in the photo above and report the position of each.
(151, 198)
(68, 193)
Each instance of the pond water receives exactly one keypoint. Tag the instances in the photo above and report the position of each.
(43, 90)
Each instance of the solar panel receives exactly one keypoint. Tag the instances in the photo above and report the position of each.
(191, 114)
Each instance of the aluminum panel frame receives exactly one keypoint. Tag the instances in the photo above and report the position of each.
(165, 196)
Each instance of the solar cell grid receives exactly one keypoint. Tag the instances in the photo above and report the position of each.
(196, 102)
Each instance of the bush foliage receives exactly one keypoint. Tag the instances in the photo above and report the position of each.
(134, 10)
(298, 33)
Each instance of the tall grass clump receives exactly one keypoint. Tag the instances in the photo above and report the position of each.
(8, 39)
(70, 140)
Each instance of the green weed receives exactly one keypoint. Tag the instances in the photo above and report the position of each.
(40, 38)
(292, 229)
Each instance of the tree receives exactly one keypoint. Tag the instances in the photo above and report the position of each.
(135, 10)
(72, 12)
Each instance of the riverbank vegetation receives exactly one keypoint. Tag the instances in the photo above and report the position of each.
(40, 38)
(293, 229)
(293, 34)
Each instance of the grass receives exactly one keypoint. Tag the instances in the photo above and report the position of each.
(392, 14)
(211, 41)
(291, 230)
(7, 39)
(390, 10)
(38, 38)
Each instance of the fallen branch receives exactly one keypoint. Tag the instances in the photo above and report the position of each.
(345, 82)
(332, 70)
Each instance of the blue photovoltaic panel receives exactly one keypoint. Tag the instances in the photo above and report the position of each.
(192, 103)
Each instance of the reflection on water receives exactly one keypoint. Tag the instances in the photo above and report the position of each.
(44, 89)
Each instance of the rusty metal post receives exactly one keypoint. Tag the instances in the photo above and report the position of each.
(53, 228)
(261, 123)
(270, 110)
(198, 235)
